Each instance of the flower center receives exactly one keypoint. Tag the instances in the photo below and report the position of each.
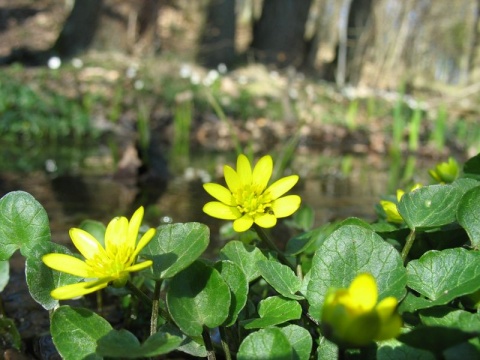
(250, 200)
(117, 260)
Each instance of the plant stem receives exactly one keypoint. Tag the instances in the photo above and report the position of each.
(226, 348)
(155, 306)
(208, 344)
(408, 245)
(271, 245)
(138, 293)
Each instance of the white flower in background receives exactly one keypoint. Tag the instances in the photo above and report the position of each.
(54, 62)
(77, 63)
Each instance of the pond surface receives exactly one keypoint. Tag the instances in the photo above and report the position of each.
(335, 187)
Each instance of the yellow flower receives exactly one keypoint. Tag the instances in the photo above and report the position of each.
(391, 209)
(102, 266)
(352, 318)
(445, 172)
(247, 199)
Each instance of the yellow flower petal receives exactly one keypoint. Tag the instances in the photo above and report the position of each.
(68, 264)
(86, 243)
(144, 240)
(281, 186)
(390, 329)
(244, 170)
(286, 206)
(391, 322)
(139, 266)
(232, 179)
(134, 226)
(116, 233)
(220, 193)
(391, 211)
(266, 220)
(75, 290)
(221, 211)
(363, 291)
(243, 224)
(262, 173)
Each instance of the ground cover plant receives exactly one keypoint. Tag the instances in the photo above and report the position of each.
(405, 286)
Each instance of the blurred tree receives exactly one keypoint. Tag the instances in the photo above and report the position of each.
(279, 33)
(79, 28)
(217, 43)
(109, 25)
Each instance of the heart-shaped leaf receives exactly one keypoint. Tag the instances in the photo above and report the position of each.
(468, 215)
(274, 310)
(175, 246)
(269, 343)
(123, 344)
(471, 168)
(441, 276)
(75, 332)
(41, 280)
(245, 256)
(300, 340)
(454, 318)
(198, 296)
(281, 278)
(23, 225)
(238, 284)
(393, 349)
(430, 206)
(347, 252)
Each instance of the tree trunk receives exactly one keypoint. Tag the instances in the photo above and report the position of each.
(278, 36)
(118, 25)
(218, 38)
(79, 29)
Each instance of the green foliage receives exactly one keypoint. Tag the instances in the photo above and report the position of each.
(252, 303)
(75, 332)
(37, 114)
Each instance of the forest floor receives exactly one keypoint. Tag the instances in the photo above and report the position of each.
(263, 106)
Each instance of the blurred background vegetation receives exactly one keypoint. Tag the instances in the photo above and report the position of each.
(147, 90)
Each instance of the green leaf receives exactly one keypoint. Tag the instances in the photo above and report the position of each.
(430, 206)
(471, 168)
(75, 332)
(269, 343)
(347, 252)
(123, 344)
(245, 256)
(281, 278)
(468, 215)
(442, 276)
(9, 335)
(23, 225)
(395, 350)
(274, 310)
(300, 340)
(453, 318)
(41, 280)
(188, 345)
(175, 246)
(197, 297)
(435, 338)
(238, 284)
(4, 274)
(326, 349)
(95, 228)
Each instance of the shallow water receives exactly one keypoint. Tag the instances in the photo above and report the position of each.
(335, 187)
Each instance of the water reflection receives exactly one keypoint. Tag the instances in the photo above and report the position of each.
(336, 188)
